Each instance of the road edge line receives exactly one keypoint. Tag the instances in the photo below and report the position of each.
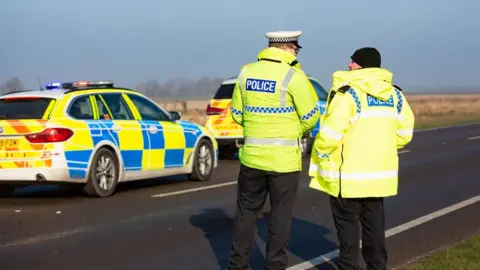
(391, 232)
(446, 127)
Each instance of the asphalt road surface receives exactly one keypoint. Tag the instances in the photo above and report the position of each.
(188, 226)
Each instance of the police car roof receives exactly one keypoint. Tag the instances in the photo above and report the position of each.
(230, 81)
(35, 93)
(56, 93)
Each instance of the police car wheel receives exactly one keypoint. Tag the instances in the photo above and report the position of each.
(104, 174)
(203, 162)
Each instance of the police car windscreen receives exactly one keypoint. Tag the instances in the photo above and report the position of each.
(225, 91)
(23, 107)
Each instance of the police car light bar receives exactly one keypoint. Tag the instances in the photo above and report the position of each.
(82, 84)
(92, 84)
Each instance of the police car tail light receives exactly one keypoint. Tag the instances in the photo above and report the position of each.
(50, 135)
(213, 111)
(20, 98)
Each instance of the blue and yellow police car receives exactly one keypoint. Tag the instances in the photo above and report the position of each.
(93, 133)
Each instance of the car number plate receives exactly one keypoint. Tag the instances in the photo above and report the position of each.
(7, 143)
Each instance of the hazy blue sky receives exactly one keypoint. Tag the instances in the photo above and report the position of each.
(424, 42)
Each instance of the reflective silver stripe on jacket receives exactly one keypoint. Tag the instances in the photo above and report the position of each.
(272, 141)
(284, 87)
(240, 82)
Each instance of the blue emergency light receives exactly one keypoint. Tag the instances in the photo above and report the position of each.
(53, 85)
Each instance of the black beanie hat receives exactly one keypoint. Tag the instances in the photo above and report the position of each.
(367, 57)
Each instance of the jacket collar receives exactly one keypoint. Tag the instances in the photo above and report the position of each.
(374, 81)
(277, 55)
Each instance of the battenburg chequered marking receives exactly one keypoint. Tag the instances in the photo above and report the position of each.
(356, 99)
(283, 39)
(191, 132)
(236, 112)
(311, 113)
(400, 101)
(256, 109)
(321, 155)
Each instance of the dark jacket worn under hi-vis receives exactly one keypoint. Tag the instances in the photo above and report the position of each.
(276, 105)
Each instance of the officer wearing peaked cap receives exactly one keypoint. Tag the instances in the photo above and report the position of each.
(276, 105)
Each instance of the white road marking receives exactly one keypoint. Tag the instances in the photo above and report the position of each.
(393, 231)
(473, 138)
(42, 238)
(179, 192)
(162, 195)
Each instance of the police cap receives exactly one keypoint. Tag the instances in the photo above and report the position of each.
(284, 37)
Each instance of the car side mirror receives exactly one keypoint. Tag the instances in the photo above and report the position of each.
(174, 115)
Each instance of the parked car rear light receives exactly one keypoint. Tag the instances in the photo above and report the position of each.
(50, 135)
(213, 111)
(21, 98)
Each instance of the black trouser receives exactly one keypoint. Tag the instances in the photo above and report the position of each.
(252, 190)
(370, 212)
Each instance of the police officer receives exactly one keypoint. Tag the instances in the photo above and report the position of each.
(275, 103)
(355, 158)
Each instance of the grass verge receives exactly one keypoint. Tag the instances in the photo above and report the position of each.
(464, 255)
(434, 122)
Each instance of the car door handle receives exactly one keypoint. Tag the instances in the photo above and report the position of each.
(152, 129)
(116, 128)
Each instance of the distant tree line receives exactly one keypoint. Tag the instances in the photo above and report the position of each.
(181, 88)
(13, 84)
(175, 88)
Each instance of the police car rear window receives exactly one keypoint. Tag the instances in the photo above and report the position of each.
(225, 91)
(23, 107)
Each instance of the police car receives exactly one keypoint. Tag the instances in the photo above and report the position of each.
(98, 135)
(230, 135)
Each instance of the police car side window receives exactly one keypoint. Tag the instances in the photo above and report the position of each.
(81, 108)
(103, 113)
(147, 109)
(117, 106)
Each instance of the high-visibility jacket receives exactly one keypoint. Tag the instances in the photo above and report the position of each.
(276, 105)
(368, 119)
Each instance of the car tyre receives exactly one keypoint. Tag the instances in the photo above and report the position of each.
(305, 146)
(227, 152)
(203, 163)
(104, 174)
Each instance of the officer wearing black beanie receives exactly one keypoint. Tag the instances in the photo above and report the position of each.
(367, 57)
(365, 111)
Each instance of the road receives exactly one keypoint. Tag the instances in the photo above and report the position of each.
(185, 227)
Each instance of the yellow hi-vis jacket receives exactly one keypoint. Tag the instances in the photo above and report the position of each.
(276, 105)
(366, 122)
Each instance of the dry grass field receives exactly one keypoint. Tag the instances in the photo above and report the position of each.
(437, 110)
(430, 110)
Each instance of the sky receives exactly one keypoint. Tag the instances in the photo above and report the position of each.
(427, 43)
